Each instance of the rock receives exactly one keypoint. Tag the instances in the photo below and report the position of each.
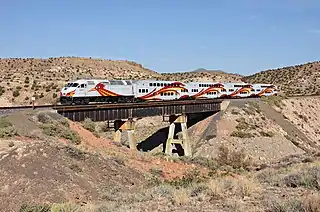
(246, 198)
(5, 189)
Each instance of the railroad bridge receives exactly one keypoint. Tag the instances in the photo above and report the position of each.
(123, 116)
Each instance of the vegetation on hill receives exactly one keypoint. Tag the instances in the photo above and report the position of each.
(301, 79)
(21, 78)
(200, 75)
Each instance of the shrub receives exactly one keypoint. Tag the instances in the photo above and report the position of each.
(235, 159)
(15, 93)
(65, 207)
(26, 81)
(267, 134)
(241, 134)
(89, 125)
(2, 90)
(190, 178)
(43, 118)
(59, 130)
(6, 129)
(308, 178)
(27, 207)
(273, 100)
(7, 132)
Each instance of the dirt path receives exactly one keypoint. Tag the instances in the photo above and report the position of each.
(294, 134)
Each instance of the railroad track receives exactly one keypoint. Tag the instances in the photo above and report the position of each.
(108, 105)
(123, 105)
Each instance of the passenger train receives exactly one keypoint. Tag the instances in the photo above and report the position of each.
(85, 91)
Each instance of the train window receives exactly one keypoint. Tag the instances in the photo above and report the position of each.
(214, 93)
(74, 85)
(147, 91)
(143, 90)
(258, 90)
(82, 86)
(231, 90)
(253, 90)
(223, 90)
(242, 92)
(139, 90)
(150, 84)
(116, 82)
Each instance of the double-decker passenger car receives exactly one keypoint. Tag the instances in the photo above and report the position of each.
(160, 90)
(265, 90)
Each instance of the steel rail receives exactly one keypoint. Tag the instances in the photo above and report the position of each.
(136, 105)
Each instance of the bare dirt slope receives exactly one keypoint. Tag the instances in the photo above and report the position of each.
(23, 77)
(301, 79)
(244, 126)
(303, 113)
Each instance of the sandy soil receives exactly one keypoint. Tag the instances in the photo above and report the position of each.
(262, 149)
(304, 114)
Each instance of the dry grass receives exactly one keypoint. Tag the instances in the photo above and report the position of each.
(181, 196)
(236, 159)
(306, 176)
(310, 203)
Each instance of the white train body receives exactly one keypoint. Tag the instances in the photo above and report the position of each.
(96, 90)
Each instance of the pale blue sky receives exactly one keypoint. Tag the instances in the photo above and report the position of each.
(243, 36)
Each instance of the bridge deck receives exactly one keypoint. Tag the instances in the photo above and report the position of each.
(109, 112)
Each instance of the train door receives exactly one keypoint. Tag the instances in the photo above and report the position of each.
(81, 89)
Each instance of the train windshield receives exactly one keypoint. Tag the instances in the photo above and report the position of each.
(71, 85)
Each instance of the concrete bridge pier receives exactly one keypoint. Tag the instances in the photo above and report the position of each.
(184, 141)
(128, 126)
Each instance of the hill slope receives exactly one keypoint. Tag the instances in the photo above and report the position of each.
(203, 75)
(22, 78)
(293, 80)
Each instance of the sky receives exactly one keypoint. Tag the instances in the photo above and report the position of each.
(239, 36)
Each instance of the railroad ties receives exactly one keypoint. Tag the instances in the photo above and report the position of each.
(123, 116)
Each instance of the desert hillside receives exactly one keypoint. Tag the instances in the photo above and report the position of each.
(51, 164)
(203, 75)
(23, 78)
(301, 79)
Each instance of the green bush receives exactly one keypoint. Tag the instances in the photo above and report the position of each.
(62, 131)
(235, 159)
(89, 125)
(26, 207)
(267, 134)
(241, 134)
(15, 93)
(6, 129)
(2, 90)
